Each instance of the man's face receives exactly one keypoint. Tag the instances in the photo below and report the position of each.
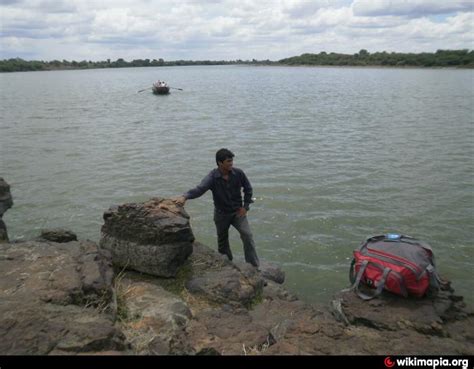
(226, 165)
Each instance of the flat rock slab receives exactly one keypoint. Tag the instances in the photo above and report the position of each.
(152, 318)
(392, 312)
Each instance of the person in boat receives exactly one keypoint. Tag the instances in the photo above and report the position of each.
(226, 183)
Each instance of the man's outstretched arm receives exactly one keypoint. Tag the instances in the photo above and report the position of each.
(195, 192)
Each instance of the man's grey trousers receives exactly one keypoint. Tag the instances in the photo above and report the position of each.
(223, 222)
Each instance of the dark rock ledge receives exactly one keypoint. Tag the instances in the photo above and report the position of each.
(150, 288)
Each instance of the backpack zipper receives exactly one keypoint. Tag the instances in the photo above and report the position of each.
(398, 261)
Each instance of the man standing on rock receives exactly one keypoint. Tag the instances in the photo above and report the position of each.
(6, 202)
(226, 183)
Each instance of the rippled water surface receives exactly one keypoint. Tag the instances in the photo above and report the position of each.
(334, 155)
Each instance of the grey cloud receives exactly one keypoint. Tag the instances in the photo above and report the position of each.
(53, 6)
(45, 27)
(373, 26)
(299, 10)
(309, 30)
(410, 9)
(309, 8)
(44, 6)
(122, 40)
(10, 2)
(33, 33)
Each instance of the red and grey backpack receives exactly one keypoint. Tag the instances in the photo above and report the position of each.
(397, 263)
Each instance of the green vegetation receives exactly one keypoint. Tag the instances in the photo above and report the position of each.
(257, 300)
(20, 65)
(176, 285)
(441, 58)
(119, 297)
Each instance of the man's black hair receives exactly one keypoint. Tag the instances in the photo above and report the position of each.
(223, 154)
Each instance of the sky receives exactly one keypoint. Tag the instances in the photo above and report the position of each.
(228, 29)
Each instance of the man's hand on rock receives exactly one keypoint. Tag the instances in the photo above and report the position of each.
(179, 200)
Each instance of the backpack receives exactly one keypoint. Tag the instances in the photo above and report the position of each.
(397, 263)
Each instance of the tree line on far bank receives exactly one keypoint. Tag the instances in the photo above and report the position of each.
(20, 65)
(441, 58)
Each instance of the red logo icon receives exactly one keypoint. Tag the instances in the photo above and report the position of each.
(388, 362)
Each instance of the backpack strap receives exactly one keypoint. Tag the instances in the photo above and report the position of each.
(373, 239)
(435, 280)
(401, 283)
(355, 280)
(380, 286)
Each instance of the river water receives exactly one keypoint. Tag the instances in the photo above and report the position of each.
(334, 155)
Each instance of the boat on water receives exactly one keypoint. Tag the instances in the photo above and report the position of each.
(160, 88)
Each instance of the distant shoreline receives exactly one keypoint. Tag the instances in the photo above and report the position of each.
(366, 66)
(462, 67)
(459, 59)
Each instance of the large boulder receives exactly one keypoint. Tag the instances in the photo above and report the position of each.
(153, 237)
(6, 202)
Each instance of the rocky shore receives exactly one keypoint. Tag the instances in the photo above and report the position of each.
(149, 288)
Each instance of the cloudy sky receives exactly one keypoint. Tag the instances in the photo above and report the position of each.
(228, 29)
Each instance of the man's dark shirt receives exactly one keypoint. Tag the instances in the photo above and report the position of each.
(227, 195)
